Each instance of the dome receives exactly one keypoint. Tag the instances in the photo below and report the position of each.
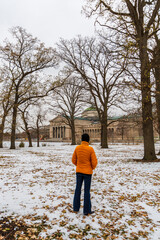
(90, 109)
(90, 112)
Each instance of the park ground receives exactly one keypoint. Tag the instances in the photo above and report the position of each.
(37, 188)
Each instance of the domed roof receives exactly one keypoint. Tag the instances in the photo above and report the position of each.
(92, 108)
(90, 113)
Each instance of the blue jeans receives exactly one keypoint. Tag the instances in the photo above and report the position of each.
(80, 177)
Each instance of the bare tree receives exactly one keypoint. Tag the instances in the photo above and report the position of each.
(22, 59)
(69, 101)
(136, 19)
(39, 119)
(25, 110)
(93, 61)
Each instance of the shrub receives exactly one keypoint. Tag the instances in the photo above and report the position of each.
(21, 144)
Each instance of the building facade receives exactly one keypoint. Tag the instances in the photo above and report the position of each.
(122, 129)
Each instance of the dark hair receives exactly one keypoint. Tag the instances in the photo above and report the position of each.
(85, 137)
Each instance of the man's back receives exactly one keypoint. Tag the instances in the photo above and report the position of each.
(84, 158)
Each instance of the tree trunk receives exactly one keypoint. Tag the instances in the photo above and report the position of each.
(104, 135)
(73, 137)
(157, 77)
(156, 59)
(158, 103)
(73, 133)
(1, 131)
(13, 130)
(37, 137)
(27, 131)
(37, 133)
(149, 148)
(29, 139)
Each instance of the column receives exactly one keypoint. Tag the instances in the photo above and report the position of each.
(64, 131)
(56, 132)
(53, 132)
(61, 132)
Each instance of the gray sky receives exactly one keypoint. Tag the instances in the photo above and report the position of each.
(46, 19)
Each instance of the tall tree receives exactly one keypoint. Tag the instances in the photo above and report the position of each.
(92, 60)
(68, 101)
(136, 19)
(22, 59)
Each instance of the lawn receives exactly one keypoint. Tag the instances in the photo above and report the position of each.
(37, 187)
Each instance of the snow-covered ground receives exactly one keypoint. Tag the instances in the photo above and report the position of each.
(37, 185)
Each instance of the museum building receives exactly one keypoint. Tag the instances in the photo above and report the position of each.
(120, 129)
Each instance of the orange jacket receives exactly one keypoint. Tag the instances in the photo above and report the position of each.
(84, 158)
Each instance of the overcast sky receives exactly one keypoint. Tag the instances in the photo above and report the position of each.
(48, 20)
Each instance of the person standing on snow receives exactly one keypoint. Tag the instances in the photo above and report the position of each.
(84, 158)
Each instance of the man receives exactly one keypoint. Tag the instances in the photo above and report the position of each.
(85, 160)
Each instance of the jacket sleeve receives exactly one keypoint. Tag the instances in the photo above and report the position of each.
(74, 158)
(93, 159)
